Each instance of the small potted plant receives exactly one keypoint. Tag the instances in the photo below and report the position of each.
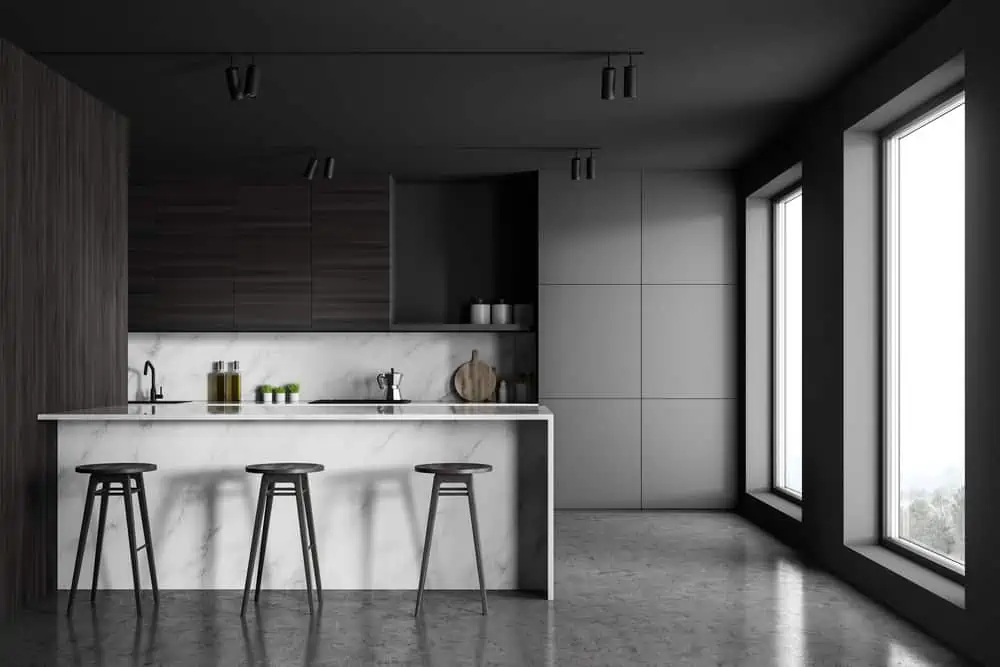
(263, 393)
(292, 392)
(276, 392)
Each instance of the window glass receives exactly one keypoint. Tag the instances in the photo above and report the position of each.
(788, 343)
(925, 335)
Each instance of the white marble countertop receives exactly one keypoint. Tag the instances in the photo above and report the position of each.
(201, 411)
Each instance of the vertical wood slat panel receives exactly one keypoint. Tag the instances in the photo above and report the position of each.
(63, 290)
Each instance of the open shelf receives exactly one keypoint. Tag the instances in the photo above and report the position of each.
(457, 328)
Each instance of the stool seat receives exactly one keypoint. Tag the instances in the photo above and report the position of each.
(285, 468)
(453, 468)
(115, 468)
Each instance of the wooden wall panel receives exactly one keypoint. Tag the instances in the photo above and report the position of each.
(63, 291)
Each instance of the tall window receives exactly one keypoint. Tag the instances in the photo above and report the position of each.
(787, 217)
(924, 383)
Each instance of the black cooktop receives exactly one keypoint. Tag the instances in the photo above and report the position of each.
(357, 401)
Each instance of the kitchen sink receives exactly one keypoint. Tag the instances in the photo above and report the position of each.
(158, 401)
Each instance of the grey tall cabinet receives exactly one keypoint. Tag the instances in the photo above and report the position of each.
(637, 337)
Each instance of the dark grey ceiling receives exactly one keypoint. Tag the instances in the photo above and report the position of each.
(718, 77)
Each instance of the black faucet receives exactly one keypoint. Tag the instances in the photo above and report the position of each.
(153, 394)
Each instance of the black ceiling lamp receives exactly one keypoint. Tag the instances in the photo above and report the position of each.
(608, 81)
(328, 168)
(574, 168)
(233, 81)
(591, 166)
(311, 167)
(631, 79)
(253, 81)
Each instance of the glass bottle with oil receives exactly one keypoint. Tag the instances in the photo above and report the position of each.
(233, 383)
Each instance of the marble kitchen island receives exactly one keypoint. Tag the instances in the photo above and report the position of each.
(369, 505)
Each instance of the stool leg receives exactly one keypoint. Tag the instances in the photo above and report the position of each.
(101, 519)
(263, 539)
(144, 516)
(303, 534)
(475, 541)
(431, 514)
(261, 497)
(312, 537)
(133, 553)
(88, 508)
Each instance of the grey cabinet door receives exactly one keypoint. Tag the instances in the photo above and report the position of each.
(589, 232)
(589, 341)
(688, 454)
(688, 228)
(598, 451)
(689, 341)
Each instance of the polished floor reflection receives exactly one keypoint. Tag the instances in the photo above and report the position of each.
(632, 588)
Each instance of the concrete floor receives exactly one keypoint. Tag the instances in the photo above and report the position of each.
(632, 589)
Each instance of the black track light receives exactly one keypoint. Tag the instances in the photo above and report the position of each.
(608, 81)
(591, 167)
(253, 81)
(328, 168)
(631, 80)
(233, 81)
(311, 168)
(574, 168)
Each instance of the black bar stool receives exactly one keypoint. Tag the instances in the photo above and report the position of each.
(115, 479)
(458, 478)
(274, 474)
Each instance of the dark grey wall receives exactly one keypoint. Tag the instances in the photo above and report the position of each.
(637, 344)
(63, 244)
(836, 236)
(982, 343)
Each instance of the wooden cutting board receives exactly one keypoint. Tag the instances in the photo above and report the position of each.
(475, 380)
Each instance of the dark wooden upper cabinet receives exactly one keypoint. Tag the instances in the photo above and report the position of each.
(183, 259)
(350, 254)
(276, 257)
(273, 278)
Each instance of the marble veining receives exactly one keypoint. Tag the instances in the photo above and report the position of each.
(369, 504)
(326, 365)
(655, 588)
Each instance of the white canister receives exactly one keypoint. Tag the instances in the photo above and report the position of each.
(479, 313)
(501, 313)
(502, 395)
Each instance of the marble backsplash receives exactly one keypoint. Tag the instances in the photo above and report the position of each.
(326, 365)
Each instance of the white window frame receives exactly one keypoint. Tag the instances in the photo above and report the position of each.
(777, 323)
(890, 331)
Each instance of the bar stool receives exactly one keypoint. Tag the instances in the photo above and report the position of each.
(104, 478)
(458, 478)
(273, 474)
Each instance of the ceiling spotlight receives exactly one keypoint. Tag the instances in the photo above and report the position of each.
(574, 168)
(591, 167)
(631, 80)
(253, 81)
(328, 168)
(311, 168)
(608, 81)
(233, 81)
